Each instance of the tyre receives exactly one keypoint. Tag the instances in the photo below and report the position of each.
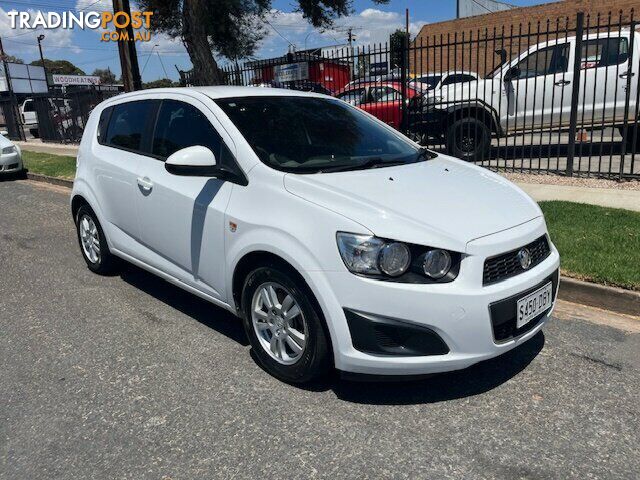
(469, 139)
(632, 133)
(34, 132)
(284, 327)
(93, 243)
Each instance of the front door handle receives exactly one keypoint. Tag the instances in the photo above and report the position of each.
(145, 184)
(562, 83)
(626, 74)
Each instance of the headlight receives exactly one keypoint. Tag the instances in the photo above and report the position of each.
(394, 259)
(436, 264)
(11, 149)
(372, 256)
(360, 252)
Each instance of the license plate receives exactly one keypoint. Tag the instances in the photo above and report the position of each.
(533, 304)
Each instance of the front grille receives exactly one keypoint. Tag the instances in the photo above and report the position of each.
(507, 265)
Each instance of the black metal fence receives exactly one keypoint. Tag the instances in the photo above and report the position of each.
(62, 117)
(559, 96)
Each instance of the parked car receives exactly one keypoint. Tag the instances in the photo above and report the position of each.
(337, 240)
(533, 92)
(29, 116)
(10, 156)
(434, 82)
(300, 85)
(380, 99)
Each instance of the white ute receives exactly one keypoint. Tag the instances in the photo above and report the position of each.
(532, 93)
(338, 241)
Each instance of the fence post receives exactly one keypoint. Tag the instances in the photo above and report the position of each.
(573, 119)
(627, 98)
(404, 57)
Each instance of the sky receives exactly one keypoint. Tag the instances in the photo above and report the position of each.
(158, 58)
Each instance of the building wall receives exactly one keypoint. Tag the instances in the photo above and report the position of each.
(469, 43)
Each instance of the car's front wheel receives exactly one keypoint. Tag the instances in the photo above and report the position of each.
(633, 138)
(469, 139)
(283, 325)
(93, 243)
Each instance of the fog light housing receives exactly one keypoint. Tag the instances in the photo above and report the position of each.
(436, 264)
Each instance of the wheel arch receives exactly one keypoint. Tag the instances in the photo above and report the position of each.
(475, 110)
(256, 258)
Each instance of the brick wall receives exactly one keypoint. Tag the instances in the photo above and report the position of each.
(469, 43)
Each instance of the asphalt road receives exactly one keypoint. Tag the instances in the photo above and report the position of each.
(129, 377)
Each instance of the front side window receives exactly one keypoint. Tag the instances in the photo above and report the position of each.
(312, 135)
(127, 124)
(353, 97)
(29, 107)
(604, 52)
(546, 61)
(180, 125)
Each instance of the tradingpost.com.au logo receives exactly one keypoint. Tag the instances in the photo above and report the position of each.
(114, 24)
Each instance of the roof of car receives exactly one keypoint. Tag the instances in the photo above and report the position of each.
(225, 92)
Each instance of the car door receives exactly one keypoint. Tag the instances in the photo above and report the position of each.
(385, 103)
(604, 63)
(539, 95)
(182, 217)
(123, 140)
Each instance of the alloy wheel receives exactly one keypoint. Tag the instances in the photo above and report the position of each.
(89, 238)
(279, 323)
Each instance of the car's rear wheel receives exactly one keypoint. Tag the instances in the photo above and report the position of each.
(93, 243)
(469, 139)
(283, 325)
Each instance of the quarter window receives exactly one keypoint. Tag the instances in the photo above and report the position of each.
(128, 123)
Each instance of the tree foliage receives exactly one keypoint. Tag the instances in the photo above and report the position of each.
(160, 83)
(59, 67)
(13, 59)
(230, 28)
(107, 77)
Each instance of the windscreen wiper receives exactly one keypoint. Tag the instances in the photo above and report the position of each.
(373, 162)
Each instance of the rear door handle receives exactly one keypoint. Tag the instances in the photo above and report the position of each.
(145, 184)
(562, 83)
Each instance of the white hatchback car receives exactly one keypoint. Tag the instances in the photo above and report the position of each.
(338, 241)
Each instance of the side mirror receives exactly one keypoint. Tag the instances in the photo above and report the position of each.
(197, 161)
(4, 133)
(512, 74)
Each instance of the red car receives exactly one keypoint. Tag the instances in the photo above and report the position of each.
(381, 99)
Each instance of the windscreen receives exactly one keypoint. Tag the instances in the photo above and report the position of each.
(311, 135)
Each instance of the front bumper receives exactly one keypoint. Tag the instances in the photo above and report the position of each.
(458, 312)
(10, 162)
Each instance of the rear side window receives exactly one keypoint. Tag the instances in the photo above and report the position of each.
(604, 52)
(180, 125)
(128, 123)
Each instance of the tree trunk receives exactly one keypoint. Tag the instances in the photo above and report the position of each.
(205, 68)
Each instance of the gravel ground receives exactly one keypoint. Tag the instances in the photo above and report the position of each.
(551, 179)
(130, 377)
